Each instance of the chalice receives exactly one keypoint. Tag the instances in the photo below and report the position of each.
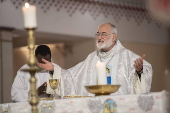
(54, 84)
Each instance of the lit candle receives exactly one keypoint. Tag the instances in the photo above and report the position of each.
(29, 13)
(101, 73)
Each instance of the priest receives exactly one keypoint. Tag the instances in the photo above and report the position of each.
(20, 91)
(126, 68)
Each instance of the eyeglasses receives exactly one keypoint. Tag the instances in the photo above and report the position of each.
(102, 35)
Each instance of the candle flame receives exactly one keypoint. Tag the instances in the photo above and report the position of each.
(98, 62)
(27, 5)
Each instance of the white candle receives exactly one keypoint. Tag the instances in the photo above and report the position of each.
(29, 13)
(101, 73)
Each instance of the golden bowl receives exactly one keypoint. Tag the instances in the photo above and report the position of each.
(100, 90)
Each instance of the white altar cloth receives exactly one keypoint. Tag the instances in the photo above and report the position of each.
(157, 102)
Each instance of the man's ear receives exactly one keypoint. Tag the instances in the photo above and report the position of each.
(114, 37)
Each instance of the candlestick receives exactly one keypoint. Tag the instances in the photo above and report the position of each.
(101, 73)
(29, 13)
(30, 24)
(32, 70)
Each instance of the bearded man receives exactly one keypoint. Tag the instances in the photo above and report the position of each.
(126, 68)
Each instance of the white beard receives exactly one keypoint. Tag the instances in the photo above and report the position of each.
(105, 45)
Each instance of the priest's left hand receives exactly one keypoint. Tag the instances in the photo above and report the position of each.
(46, 65)
(139, 63)
(42, 89)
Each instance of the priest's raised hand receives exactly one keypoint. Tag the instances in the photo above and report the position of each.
(46, 65)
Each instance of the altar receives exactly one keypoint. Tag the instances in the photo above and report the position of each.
(157, 102)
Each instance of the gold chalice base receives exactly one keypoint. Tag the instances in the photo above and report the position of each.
(100, 90)
(45, 99)
(74, 96)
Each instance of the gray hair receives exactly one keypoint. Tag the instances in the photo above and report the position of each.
(114, 30)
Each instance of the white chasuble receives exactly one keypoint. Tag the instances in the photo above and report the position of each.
(21, 85)
(123, 73)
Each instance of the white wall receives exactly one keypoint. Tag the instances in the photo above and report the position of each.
(59, 22)
(6, 67)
